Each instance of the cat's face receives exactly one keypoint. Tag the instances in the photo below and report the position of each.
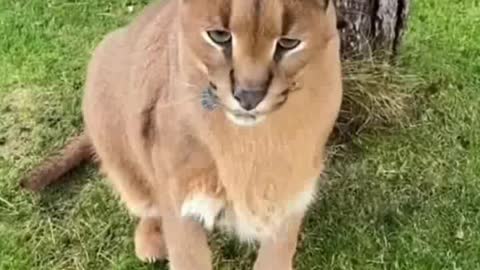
(252, 50)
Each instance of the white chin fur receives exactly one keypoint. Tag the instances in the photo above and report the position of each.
(245, 121)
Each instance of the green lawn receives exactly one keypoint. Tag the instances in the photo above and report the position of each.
(406, 199)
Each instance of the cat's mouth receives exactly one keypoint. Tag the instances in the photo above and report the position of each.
(245, 119)
(251, 118)
(211, 101)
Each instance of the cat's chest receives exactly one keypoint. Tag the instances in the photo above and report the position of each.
(269, 173)
(259, 217)
(250, 214)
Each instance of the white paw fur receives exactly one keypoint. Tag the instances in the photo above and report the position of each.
(202, 208)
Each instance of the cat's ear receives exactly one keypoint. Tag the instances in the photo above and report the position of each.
(324, 3)
(341, 23)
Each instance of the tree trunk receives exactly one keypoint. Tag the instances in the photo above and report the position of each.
(372, 26)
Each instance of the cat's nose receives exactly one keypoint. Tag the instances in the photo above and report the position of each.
(249, 99)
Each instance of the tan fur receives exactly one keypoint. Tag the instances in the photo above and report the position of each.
(162, 151)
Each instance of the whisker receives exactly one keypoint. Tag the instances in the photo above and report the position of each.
(275, 107)
(226, 108)
(295, 89)
(197, 96)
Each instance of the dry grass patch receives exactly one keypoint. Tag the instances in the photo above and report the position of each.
(377, 95)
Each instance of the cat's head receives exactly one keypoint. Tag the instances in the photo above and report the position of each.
(252, 50)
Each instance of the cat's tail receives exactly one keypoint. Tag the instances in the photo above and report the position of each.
(79, 149)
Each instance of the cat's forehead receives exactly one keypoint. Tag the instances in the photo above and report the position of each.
(272, 17)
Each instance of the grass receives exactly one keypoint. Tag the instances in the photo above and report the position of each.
(377, 95)
(402, 197)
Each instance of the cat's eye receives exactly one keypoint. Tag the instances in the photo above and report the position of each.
(288, 43)
(220, 37)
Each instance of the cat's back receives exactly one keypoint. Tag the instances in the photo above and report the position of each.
(110, 96)
(109, 71)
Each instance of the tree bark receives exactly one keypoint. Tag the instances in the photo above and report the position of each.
(371, 27)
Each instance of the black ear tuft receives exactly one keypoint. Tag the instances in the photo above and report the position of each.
(341, 23)
(326, 3)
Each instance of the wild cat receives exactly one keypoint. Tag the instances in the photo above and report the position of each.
(249, 164)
